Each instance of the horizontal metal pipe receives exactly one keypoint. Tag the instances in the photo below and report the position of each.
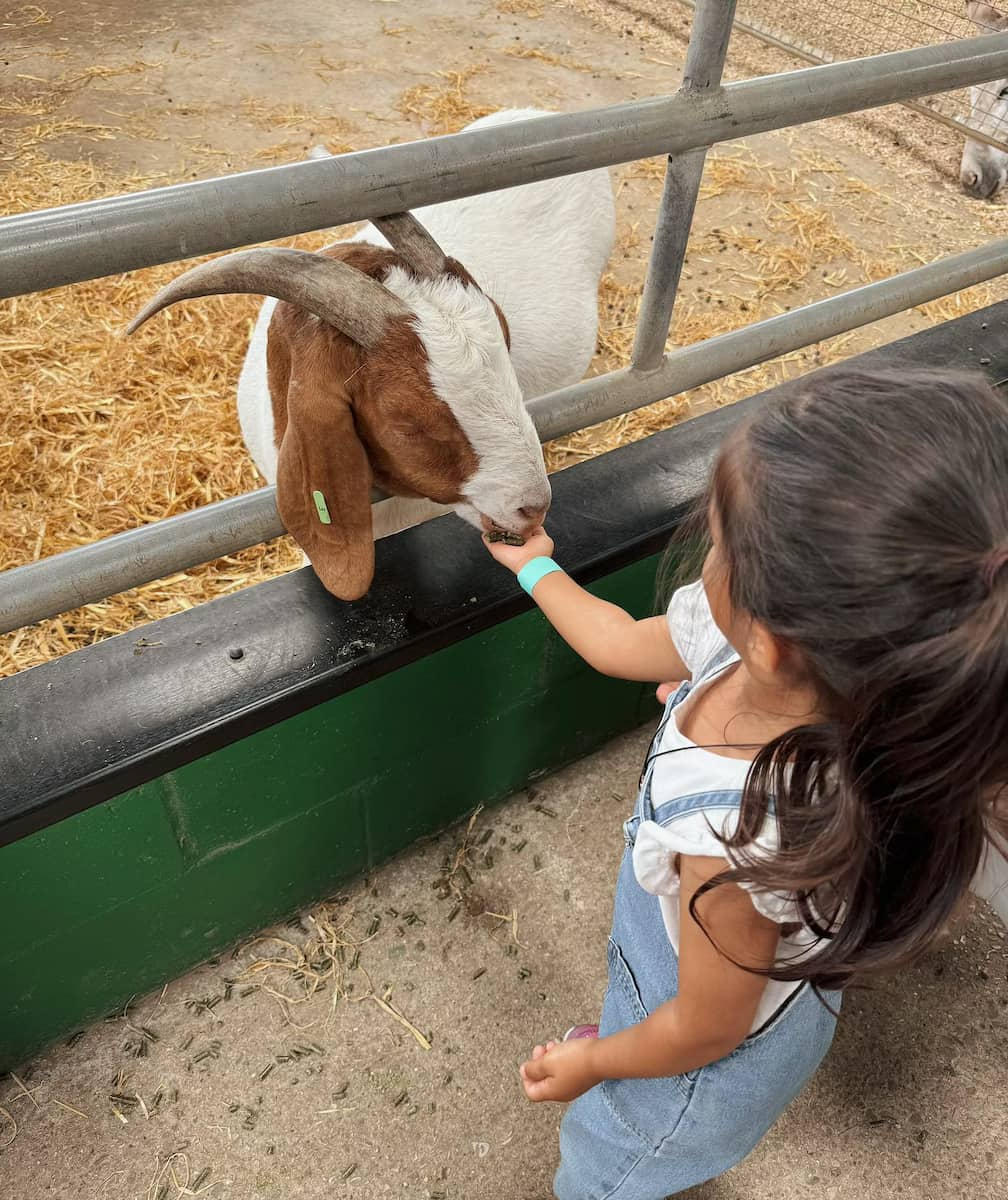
(611, 395)
(764, 34)
(54, 585)
(84, 241)
(91, 573)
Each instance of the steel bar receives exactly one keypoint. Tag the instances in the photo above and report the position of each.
(84, 241)
(91, 573)
(54, 585)
(705, 57)
(611, 395)
(768, 37)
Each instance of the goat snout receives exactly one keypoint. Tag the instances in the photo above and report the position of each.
(533, 514)
(981, 183)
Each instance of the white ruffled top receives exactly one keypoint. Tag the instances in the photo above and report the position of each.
(693, 770)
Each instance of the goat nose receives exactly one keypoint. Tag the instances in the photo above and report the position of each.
(535, 514)
(969, 179)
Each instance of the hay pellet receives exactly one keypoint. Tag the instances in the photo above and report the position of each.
(399, 1099)
(348, 1171)
(200, 1178)
(505, 536)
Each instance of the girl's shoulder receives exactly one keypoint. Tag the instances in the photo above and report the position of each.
(694, 631)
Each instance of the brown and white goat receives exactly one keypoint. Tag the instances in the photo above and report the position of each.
(383, 362)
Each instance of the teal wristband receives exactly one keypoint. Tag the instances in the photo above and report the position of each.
(536, 569)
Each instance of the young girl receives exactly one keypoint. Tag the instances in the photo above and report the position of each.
(825, 783)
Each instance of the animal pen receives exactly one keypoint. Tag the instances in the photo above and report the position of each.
(161, 797)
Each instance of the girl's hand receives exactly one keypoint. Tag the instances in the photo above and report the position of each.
(664, 691)
(539, 545)
(560, 1071)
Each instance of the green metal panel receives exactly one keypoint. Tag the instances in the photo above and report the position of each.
(114, 901)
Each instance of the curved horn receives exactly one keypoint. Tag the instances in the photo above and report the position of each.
(338, 294)
(408, 237)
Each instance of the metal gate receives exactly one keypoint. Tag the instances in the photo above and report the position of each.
(85, 241)
(825, 33)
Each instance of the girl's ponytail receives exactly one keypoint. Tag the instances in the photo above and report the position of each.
(888, 573)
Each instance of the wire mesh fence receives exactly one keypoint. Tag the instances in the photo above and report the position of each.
(823, 31)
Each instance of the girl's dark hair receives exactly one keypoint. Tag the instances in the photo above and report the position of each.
(864, 522)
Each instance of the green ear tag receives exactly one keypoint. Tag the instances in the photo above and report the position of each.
(321, 509)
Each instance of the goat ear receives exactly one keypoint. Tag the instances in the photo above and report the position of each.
(986, 16)
(324, 484)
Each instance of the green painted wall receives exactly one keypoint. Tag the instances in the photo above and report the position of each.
(116, 900)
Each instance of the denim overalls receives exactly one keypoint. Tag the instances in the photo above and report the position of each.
(645, 1139)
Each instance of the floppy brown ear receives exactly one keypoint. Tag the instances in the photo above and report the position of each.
(323, 474)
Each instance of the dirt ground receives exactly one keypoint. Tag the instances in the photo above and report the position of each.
(910, 1103)
(332, 1097)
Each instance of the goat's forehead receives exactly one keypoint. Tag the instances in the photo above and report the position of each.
(461, 333)
(468, 364)
(447, 308)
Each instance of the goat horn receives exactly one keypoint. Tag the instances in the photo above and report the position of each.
(408, 237)
(335, 292)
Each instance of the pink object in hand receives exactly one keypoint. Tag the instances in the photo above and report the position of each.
(580, 1031)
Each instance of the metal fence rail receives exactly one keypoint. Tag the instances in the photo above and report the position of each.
(103, 237)
(84, 241)
(844, 29)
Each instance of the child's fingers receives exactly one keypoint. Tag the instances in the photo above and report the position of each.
(535, 1069)
(538, 1051)
(539, 1091)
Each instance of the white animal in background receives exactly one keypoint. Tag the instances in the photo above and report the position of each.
(984, 168)
(403, 358)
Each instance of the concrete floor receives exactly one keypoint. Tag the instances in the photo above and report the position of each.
(910, 1103)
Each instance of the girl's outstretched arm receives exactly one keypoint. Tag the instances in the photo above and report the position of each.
(607, 637)
(711, 1014)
